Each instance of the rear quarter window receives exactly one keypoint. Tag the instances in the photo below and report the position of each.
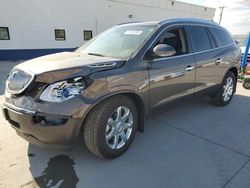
(222, 36)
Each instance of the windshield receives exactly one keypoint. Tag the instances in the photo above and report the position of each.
(118, 42)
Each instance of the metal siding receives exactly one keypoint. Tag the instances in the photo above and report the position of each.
(32, 23)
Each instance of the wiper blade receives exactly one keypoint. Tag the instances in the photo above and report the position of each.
(95, 54)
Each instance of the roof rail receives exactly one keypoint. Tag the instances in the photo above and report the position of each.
(129, 22)
(188, 19)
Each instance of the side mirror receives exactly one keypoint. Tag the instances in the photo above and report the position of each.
(164, 50)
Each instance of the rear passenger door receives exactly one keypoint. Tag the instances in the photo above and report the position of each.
(206, 56)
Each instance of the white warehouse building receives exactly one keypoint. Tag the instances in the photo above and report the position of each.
(32, 28)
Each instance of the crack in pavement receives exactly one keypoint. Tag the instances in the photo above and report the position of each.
(235, 174)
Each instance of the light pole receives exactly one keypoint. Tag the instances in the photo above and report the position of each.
(221, 13)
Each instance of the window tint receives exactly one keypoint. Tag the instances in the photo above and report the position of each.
(60, 34)
(4, 33)
(212, 40)
(200, 38)
(222, 36)
(87, 34)
(175, 38)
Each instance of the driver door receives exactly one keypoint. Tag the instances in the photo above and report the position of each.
(173, 76)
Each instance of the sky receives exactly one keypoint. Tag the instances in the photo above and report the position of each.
(236, 16)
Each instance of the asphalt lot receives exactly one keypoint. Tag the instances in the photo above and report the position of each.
(194, 145)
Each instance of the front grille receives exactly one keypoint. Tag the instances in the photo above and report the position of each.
(18, 81)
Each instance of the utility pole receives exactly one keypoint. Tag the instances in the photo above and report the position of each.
(221, 13)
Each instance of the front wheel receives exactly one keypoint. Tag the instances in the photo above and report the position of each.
(111, 127)
(226, 91)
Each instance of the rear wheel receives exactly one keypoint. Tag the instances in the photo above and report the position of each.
(226, 91)
(111, 127)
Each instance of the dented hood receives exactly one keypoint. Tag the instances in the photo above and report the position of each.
(66, 65)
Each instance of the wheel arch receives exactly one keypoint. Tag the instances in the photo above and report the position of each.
(141, 108)
(235, 71)
(136, 98)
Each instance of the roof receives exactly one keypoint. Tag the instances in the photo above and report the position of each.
(174, 21)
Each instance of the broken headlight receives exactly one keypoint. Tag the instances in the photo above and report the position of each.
(64, 90)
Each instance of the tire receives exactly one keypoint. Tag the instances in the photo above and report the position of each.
(219, 98)
(246, 84)
(98, 132)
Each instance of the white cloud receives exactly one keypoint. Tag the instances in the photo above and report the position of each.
(236, 16)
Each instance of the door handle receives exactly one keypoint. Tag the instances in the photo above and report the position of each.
(218, 61)
(189, 68)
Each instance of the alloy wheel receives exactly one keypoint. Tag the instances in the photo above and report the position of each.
(119, 127)
(228, 89)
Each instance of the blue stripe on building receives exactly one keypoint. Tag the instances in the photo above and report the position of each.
(24, 54)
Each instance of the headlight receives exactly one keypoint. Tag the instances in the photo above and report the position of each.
(64, 90)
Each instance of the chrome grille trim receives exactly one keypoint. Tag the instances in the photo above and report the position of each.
(18, 80)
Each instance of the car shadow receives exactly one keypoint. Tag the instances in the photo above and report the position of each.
(154, 158)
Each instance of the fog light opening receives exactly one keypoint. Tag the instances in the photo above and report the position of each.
(49, 121)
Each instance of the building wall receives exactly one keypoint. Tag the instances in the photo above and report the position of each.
(32, 23)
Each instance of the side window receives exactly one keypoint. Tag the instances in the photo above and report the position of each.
(200, 38)
(60, 34)
(222, 36)
(4, 33)
(87, 34)
(212, 39)
(175, 38)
